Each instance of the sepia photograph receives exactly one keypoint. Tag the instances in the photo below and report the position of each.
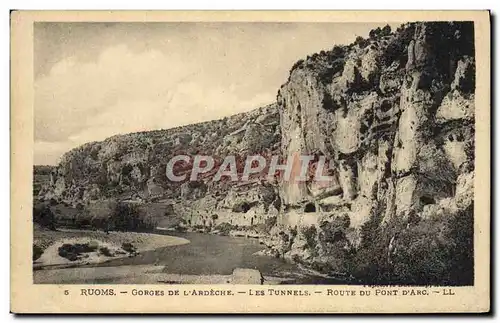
(319, 153)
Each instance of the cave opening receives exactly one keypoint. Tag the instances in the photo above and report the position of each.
(309, 208)
(84, 223)
(338, 236)
(385, 106)
(242, 207)
(425, 200)
(245, 207)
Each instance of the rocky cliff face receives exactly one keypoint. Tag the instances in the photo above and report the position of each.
(132, 167)
(393, 113)
(394, 116)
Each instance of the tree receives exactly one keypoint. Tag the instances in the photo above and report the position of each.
(386, 31)
(374, 33)
(43, 215)
(125, 217)
(337, 51)
(361, 42)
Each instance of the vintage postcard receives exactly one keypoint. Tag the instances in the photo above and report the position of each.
(250, 162)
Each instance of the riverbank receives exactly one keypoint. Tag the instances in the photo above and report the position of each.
(97, 246)
(206, 259)
(140, 274)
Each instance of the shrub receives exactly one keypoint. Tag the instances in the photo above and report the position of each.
(309, 234)
(43, 215)
(68, 255)
(337, 51)
(437, 251)
(293, 233)
(97, 223)
(297, 64)
(93, 245)
(169, 210)
(37, 252)
(128, 247)
(270, 223)
(386, 31)
(335, 249)
(224, 228)
(148, 222)
(423, 258)
(126, 217)
(434, 251)
(335, 230)
(106, 252)
(72, 252)
(361, 42)
(371, 263)
(374, 33)
(180, 228)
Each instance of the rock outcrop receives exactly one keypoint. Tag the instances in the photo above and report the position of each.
(247, 276)
(394, 115)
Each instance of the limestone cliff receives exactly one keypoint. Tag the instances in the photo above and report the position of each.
(132, 167)
(394, 114)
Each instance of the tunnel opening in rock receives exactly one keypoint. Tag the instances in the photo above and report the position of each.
(338, 236)
(425, 200)
(310, 208)
(84, 223)
(243, 207)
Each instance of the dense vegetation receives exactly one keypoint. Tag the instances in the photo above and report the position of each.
(435, 251)
(111, 216)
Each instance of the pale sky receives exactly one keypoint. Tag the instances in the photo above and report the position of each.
(95, 80)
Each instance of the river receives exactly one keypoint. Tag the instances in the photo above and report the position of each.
(208, 254)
